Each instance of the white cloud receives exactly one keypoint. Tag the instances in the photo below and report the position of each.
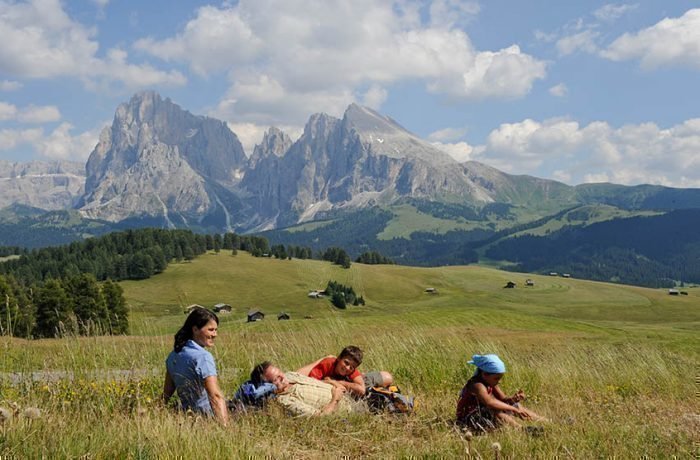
(29, 114)
(447, 13)
(41, 41)
(7, 111)
(58, 145)
(611, 12)
(323, 52)
(631, 154)
(582, 41)
(12, 138)
(374, 97)
(9, 85)
(673, 41)
(100, 3)
(447, 134)
(39, 114)
(61, 145)
(460, 151)
(559, 90)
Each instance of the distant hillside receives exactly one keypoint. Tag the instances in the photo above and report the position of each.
(30, 228)
(650, 251)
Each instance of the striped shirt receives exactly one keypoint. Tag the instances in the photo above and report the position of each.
(306, 396)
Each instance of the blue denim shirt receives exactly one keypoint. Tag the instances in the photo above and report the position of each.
(188, 369)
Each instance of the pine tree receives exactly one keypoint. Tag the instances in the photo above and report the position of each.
(89, 304)
(8, 308)
(116, 306)
(53, 310)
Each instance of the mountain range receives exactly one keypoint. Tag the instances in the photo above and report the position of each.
(160, 165)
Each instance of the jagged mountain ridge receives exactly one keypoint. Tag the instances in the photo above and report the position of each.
(157, 160)
(162, 165)
(46, 185)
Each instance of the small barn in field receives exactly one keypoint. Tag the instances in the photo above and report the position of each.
(283, 316)
(431, 290)
(255, 315)
(509, 285)
(529, 282)
(673, 292)
(222, 308)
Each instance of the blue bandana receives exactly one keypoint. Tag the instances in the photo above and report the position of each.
(489, 363)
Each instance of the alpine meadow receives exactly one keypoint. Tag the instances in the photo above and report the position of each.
(331, 229)
(608, 364)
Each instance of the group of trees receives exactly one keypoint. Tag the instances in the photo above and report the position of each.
(373, 258)
(73, 288)
(74, 305)
(342, 296)
(279, 251)
(337, 256)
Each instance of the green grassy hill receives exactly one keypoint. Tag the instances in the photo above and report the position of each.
(273, 286)
(612, 365)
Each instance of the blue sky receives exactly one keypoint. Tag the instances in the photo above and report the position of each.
(577, 91)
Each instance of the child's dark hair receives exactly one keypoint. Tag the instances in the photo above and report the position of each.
(199, 317)
(256, 376)
(353, 353)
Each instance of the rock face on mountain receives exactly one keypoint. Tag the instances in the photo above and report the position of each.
(157, 160)
(359, 160)
(45, 185)
(161, 163)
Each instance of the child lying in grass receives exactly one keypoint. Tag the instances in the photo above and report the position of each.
(483, 406)
(343, 371)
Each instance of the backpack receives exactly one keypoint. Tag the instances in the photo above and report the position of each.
(381, 399)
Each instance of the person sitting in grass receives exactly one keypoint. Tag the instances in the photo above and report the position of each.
(305, 396)
(343, 370)
(483, 406)
(190, 369)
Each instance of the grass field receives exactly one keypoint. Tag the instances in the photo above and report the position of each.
(614, 367)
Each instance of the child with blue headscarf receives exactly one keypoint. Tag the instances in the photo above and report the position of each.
(483, 406)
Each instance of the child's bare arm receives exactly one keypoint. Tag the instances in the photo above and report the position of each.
(491, 401)
(499, 394)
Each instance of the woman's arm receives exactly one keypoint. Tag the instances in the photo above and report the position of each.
(168, 387)
(216, 399)
(306, 370)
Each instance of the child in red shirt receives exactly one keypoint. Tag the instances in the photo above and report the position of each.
(343, 371)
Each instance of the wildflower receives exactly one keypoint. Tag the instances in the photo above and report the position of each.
(31, 413)
(5, 414)
(496, 446)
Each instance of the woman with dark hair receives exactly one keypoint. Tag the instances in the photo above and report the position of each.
(190, 369)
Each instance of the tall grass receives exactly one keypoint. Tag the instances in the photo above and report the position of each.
(612, 366)
(605, 399)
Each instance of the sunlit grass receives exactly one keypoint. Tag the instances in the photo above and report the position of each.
(612, 366)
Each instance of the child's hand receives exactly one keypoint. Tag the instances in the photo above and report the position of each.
(522, 413)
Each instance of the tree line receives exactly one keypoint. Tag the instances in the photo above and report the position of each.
(77, 305)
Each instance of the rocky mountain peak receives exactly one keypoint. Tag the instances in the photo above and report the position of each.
(366, 120)
(275, 142)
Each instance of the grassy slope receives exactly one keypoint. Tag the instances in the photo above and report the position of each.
(609, 363)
